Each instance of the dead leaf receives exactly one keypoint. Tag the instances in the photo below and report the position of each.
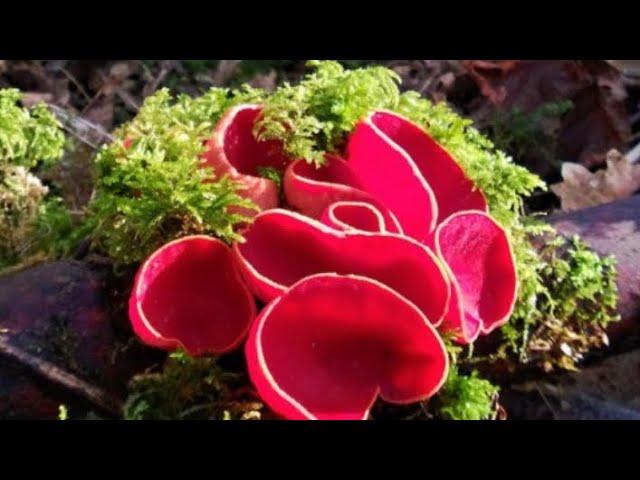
(489, 76)
(582, 188)
(166, 66)
(34, 81)
(597, 123)
(100, 111)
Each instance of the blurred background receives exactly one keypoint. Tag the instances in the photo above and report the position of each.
(543, 113)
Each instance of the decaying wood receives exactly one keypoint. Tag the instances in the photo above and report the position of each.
(95, 395)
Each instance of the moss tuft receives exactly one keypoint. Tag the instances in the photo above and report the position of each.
(154, 190)
(191, 388)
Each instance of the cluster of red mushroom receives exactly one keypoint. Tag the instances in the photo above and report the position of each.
(368, 261)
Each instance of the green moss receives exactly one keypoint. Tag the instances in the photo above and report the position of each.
(30, 140)
(63, 412)
(466, 397)
(315, 115)
(564, 305)
(155, 190)
(190, 388)
(524, 135)
(28, 137)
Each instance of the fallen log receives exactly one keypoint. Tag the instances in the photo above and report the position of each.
(64, 338)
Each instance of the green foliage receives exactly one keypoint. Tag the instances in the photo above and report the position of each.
(28, 138)
(272, 174)
(55, 229)
(315, 115)
(524, 134)
(156, 189)
(466, 397)
(567, 299)
(189, 388)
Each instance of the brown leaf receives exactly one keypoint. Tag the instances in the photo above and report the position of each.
(489, 76)
(29, 99)
(166, 66)
(34, 80)
(100, 111)
(597, 123)
(582, 188)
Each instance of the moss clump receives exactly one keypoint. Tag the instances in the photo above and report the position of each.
(574, 300)
(28, 137)
(315, 115)
(466, 397)
(154, 190)
(190, 388)
(31, 220)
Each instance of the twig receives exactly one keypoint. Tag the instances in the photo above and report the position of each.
(544, 398)
(166, 66)
(77, 84)
(85, 131)
(57, 375)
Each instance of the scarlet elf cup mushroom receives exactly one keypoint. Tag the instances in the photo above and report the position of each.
(370, 256)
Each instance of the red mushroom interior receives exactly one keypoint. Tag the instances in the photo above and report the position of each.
(351, 216)
(190, 294)
(282, 247)
(389, 174)
(241, 148)
(478, 253)
(312, 190)
(234, 151)
(328, 346)
(453, 190)
(466, 327)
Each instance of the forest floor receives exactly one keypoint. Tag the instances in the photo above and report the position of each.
(574, 123)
